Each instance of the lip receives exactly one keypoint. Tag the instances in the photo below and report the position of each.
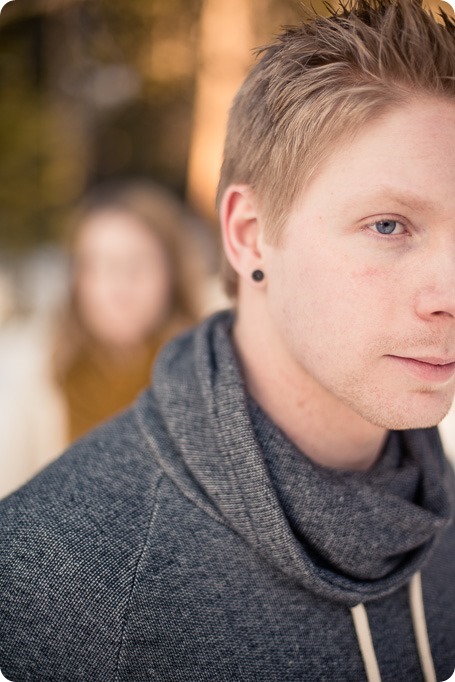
(432, 369)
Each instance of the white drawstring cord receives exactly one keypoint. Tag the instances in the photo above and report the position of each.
(362, 628)
(420, 628)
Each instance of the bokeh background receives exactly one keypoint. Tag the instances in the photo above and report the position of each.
(97, 89)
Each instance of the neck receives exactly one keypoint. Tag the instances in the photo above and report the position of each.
(131, 354)
(327, 430)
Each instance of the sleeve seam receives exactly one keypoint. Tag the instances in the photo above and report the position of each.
(134, 581)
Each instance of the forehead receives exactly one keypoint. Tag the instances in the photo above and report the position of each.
(407, 155)
(114, 231)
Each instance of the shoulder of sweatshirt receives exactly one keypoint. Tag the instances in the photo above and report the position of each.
(70, 544)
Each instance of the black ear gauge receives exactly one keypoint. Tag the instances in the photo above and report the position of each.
(257, 275)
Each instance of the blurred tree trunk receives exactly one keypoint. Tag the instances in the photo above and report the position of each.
(226, 38)
(229, 31)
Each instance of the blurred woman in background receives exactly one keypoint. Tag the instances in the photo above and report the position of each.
(133, 288)
(134, 284)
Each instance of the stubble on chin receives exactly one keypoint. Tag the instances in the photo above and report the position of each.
(420, 409)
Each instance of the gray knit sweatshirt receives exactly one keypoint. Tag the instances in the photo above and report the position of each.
(188, 540)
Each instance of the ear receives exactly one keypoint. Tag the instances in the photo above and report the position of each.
(240, 225)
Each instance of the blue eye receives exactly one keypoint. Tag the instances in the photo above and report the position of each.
(386, 226)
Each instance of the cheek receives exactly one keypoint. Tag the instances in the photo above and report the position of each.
(156, 286)
(381, 291)
(91, 294)
(153, 300)
(333, 301)
(324, 289)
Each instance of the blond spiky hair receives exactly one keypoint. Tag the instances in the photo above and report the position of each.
(318, 84)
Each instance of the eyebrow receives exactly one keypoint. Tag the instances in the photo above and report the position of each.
(408, 199)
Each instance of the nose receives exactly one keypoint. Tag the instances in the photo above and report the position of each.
(436, 283)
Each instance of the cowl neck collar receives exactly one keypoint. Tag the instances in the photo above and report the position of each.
(360, 524)
(345, 537)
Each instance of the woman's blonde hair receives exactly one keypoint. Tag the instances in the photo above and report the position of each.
(317, 85)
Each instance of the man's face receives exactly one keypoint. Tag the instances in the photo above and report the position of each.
(362, 288)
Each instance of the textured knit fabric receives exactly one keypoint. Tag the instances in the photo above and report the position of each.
(188, 540)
